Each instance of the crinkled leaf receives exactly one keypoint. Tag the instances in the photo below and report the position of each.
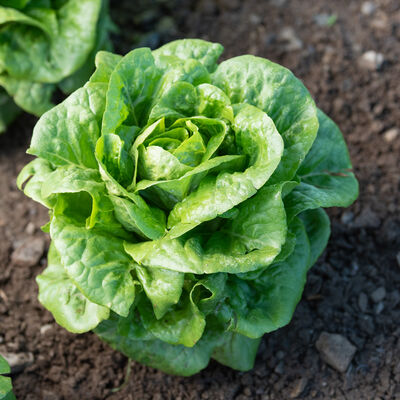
(70, 308)
(205, 52)
(162, 286)
(183, 324)
(132, 85)
(172, 359)
(267, 303)
(42, 37)
(31, 179)
(261, 143)
(67, 134)
(5, 382)
(249, 242)
(96, 263)
(32, 97)
(236, 351)
(8, 110)
(317, 225)
(326, 180)
(276, 91)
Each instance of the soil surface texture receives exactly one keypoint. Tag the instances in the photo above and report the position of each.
(348, 55)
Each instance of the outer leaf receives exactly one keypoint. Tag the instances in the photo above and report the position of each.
(267, 303)
(236, 351)
(105, 63)
(5, 382)
(173, 359)
(32, 97)
(96, 263)
(67, 134)
(326, 180)
(183, 324)
(52, 34)
(317, 225)
(70, 308)
(8, 110)
(205, 52)
(273, 89)
(163, 287)
(72, 179)
(34, 175)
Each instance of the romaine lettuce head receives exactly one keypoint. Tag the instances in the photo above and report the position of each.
(45, 43)
(186, 202)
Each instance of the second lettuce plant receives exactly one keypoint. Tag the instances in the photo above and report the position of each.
(45, 44)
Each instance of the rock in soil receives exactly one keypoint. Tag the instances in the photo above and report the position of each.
(335, 350)
(18, 361)
(391, 134)
(378, 294)
(371, 60)
(28, 253)
(368, 7)
(298, 387)
(363, 302)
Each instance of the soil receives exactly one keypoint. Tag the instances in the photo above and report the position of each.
(322, 43)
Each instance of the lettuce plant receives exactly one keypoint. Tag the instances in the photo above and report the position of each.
(45, 44)
(5, 382)
(186, 202)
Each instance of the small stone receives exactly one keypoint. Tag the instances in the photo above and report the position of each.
(45, 328)
(28, 252)
(368, 8)
(378, 294)
(298, 387)
(363, 302)
(255, 19)
(347, 217)
(290, 39)
(335, 350)
(18, 361)
(280, 355)
(279, 369)
(367, 219)
(371, 60)
(391, 134)
(30, 228)
(379, 308)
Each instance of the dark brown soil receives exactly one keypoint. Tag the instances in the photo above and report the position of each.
(360, 258)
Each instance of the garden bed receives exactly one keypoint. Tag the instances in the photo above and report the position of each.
(354, 289)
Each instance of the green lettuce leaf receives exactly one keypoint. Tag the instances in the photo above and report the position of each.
(34, 39)
(70, 308)
(326, 177)
(5, 382)
(8, 110)
(274, 90)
